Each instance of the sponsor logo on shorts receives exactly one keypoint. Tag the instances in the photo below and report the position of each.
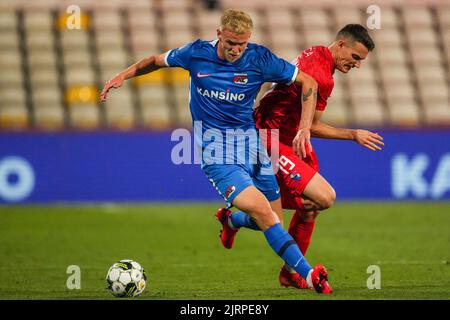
(295, 176)
(230, 190)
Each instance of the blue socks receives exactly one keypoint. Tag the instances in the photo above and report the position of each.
(241, 219)
(280, 241)
(284, 245)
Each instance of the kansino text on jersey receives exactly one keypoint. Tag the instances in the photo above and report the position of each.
(221, 95)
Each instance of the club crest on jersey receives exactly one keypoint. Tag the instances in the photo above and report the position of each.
(295, 176)
(230, 190)
(241, 78)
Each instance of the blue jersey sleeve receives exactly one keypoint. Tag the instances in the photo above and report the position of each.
(181, 57)
(276, 69)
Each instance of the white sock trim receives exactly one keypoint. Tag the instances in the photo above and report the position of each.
(309, 279)
(289, 269)
(230, 224)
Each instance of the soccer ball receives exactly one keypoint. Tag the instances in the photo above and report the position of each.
(126, 278)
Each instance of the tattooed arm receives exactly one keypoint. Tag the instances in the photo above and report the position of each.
(309, 99)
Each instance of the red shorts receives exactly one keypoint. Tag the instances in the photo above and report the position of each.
(294, 174)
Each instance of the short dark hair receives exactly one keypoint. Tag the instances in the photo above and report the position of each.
(357, 33)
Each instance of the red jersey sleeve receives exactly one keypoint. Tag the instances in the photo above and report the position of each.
(281, 107)
(315, 62)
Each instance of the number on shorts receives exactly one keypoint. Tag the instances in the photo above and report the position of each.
(284, 163)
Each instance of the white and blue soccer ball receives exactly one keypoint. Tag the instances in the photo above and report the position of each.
(126, 278)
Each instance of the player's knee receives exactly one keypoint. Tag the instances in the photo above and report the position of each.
(327, 199)
(264, 216)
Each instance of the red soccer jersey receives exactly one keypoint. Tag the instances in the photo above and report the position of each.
(281, 107)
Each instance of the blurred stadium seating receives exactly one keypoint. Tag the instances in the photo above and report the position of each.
(52, 75)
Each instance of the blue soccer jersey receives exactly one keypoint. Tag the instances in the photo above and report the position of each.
(222, 93)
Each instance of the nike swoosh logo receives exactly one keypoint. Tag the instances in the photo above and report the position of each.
(203, 75)
(278, 191)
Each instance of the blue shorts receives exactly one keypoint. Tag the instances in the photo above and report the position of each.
(231, 179)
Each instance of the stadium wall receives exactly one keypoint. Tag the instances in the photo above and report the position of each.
(137, 167)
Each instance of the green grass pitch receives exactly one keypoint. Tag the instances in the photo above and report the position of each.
(178, 245)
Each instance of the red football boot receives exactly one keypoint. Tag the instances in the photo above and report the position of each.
(295, 280)
(319, 277)
(227, 233)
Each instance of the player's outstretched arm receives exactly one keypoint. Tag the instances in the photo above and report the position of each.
(365, 138)
(309, 99)
(370, 140)
(143, 66)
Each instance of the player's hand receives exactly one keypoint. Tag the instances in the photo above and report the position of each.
(301, 142)
(368, 139)
(115, 82)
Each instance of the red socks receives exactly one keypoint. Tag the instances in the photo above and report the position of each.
(301, 231)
